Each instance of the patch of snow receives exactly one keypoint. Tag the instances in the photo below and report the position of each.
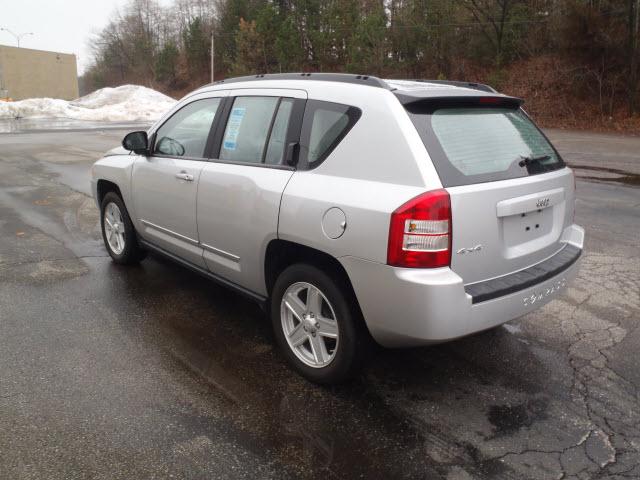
(513, 329)
(125, 103)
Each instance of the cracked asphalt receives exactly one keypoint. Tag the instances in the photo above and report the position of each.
(152, 372)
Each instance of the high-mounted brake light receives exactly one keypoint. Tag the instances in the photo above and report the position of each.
(420, 232)
(490, 100)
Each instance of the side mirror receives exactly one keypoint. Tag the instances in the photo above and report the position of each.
(136, 142)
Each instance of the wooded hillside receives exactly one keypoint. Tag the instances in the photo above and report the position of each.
(574, 61)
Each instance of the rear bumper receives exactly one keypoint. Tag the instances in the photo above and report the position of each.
(409, 307)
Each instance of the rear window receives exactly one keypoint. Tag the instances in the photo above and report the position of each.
(474, 145)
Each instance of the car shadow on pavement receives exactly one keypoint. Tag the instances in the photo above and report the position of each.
(365, 427)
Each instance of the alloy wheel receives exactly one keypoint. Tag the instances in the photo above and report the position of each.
(309, 324)
(114, 228)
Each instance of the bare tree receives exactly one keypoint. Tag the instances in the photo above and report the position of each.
(492, 16)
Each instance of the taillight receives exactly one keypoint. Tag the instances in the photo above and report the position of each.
(420, 232)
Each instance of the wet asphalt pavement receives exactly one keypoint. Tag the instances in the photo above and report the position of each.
(152, 372)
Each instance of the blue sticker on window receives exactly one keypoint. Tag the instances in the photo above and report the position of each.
(233, 128)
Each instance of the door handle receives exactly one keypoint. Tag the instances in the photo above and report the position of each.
(184, 176)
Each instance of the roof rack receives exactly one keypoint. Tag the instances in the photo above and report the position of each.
(325, 77)
(369, 80)
(473, 85)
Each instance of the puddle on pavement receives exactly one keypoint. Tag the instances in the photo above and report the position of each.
(611, 175)
(508, 419)
(73, 176)
(23, 125)
(224, 342)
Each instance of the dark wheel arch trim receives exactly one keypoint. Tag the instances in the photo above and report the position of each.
(280, 254)
(105, 186)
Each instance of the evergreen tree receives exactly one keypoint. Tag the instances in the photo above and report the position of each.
(196, 49)
(369, 45)
(250, 52)
(167, 63)
(169, 46)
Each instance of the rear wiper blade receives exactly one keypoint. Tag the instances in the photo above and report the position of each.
(526, 161)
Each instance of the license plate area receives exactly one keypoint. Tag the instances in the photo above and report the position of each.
(523, 228)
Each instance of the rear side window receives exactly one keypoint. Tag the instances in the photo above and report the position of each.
(324, 126)
(474, 145)
(275, 149)
(247, 129)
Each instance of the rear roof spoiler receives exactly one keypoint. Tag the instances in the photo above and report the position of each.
(491, 100)
(473, 85)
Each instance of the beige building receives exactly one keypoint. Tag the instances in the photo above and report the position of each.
(26, 73)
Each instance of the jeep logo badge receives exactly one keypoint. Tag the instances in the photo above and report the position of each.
(542, 202)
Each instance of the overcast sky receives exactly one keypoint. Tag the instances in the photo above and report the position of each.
(59, 25)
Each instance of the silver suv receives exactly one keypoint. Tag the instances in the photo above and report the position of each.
(351, 208)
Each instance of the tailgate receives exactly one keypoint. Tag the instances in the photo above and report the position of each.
(511, 194)
(505, 226)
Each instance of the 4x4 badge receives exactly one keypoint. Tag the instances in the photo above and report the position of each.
(462, 251)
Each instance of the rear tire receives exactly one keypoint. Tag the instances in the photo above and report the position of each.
(318, 324)
(118, 233)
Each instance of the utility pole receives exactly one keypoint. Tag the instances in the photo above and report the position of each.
(634, 53)
(213, 52)
(17, 36)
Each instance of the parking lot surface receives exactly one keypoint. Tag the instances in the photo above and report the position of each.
(152, 372)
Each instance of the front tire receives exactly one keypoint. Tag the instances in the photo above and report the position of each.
(118, 232)
(317, 324)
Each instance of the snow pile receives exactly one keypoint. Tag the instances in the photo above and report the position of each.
(125, 103)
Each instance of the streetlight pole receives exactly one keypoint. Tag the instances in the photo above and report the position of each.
(212, 57)
(17, 36)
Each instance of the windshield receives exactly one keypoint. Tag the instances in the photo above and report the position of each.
(474, 145)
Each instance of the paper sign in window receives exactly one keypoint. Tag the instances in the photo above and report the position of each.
(233, 128)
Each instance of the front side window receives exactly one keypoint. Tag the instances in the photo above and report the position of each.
(325, 125)
(185, 134)
(474, 145)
